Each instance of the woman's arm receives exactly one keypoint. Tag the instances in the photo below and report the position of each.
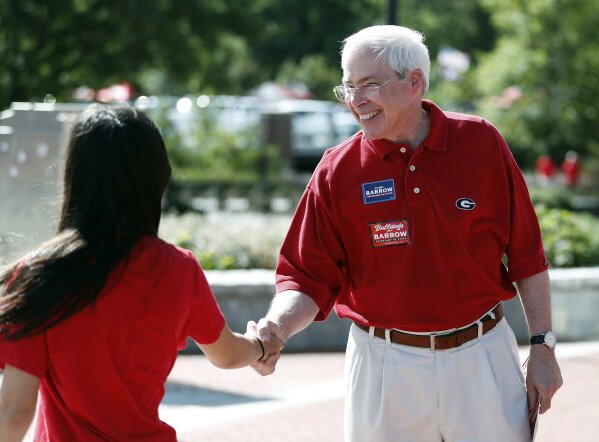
(18, 397)
(233, 350)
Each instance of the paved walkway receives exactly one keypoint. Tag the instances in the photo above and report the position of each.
(303, 400)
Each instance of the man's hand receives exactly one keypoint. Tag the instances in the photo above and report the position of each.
(290, 312)
(543, 377)
(271, 334)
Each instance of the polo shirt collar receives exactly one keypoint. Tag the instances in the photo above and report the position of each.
(437, 132)
(435, 140)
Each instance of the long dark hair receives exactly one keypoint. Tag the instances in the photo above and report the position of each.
(116, 172)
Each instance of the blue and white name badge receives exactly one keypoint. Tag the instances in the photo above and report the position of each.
(378, 191)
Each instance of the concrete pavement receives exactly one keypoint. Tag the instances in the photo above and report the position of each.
(303, 400)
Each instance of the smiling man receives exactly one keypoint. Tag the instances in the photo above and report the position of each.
(403, 229)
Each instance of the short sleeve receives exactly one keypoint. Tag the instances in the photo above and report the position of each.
(29, 354)
(205, 321)
(525, 253)
(312, 257)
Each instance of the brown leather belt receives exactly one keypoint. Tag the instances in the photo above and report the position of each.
(440, 341)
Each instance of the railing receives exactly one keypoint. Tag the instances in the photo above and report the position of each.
(280, 196)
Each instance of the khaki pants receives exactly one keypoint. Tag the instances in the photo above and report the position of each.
(475, 392)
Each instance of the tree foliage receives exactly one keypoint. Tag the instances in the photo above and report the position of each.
(533, 62)
(464, 25)
(548, 49)
(217, 46)
(56, 45)
(570, 239)
(293, 30)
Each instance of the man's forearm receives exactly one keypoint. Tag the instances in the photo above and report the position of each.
(293, 311)
(543, 376)
(535, 293)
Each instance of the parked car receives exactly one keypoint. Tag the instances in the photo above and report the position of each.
(314, 126)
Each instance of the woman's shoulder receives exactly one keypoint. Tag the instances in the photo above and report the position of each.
(153, 251)
(156, 246)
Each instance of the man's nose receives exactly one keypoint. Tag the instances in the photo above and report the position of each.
(355, 98)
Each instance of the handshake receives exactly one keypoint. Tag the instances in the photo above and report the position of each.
(271, 339)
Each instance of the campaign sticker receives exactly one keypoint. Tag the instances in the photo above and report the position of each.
(378, 191)
(390, 233)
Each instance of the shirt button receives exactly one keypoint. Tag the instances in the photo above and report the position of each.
(416, 189)
(402, 150)
(412, 168)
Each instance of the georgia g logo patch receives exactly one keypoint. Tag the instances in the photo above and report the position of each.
(465, 204)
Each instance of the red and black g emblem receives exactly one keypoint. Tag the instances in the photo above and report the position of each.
(465, 204)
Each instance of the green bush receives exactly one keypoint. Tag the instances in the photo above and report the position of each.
(225, 241)
(204, 151)
(247, 241)
(570, 239)
(556, 197)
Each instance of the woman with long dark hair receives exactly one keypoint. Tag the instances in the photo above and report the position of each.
(93, 318)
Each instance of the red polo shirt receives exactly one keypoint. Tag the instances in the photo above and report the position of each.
(414, 240)
(103, 369)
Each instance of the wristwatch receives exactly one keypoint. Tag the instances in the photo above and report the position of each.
(547, 338)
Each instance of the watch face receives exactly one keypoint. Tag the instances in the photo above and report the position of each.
(550, 339)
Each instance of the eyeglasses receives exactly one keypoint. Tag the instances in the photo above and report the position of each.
(368, 91)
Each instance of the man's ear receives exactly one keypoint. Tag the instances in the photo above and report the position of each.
(416, 81)
(415, 77)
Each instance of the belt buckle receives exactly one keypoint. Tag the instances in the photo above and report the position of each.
(433, 337)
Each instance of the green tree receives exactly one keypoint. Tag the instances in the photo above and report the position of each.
(293, 30)
(312, 70)
(464, 25)
(301, 40)
(216, 46)
(56, 45)
(549, 50)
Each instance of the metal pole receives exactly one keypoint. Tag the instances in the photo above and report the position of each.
(392, 12)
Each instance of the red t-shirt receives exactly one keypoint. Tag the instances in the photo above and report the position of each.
(103, 370)
(414, 240)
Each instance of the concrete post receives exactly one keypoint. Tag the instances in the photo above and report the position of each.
(32, 144)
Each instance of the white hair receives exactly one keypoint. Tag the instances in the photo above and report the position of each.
(403, 49)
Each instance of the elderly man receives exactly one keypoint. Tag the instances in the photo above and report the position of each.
(404, 229)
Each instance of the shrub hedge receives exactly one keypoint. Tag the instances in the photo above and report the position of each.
(246, 241)
(571, 239)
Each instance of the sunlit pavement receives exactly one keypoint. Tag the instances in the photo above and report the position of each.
(303, 400)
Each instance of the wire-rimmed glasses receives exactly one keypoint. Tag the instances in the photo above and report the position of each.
(368, 91)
